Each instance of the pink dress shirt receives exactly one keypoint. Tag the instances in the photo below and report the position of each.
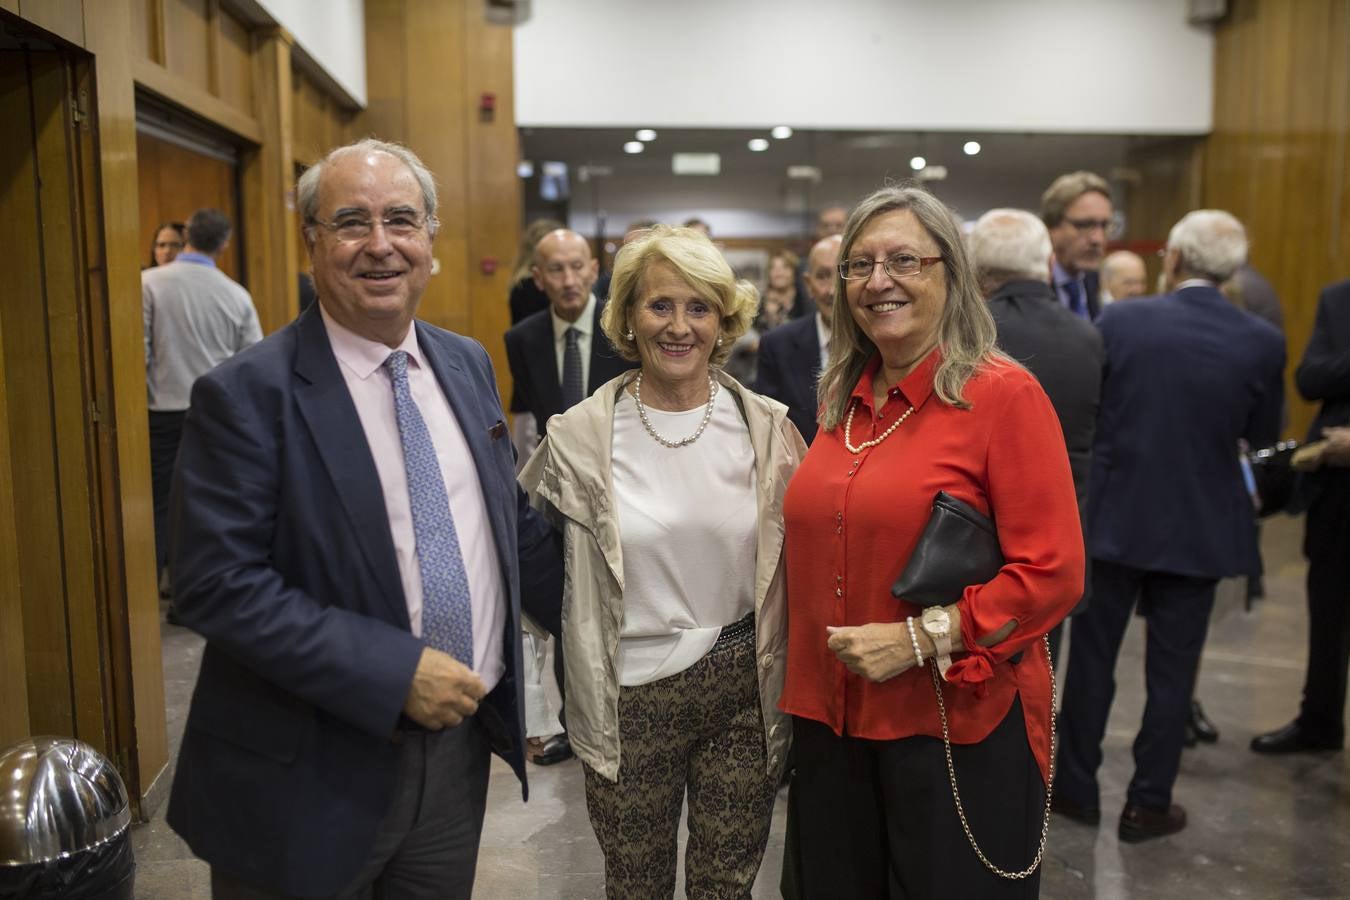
(362, 364)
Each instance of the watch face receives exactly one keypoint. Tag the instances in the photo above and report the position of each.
(936, 620)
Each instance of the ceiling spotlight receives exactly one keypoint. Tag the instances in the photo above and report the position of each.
(918, 163)
(971, 148)
(633, 147)
(645, 134)
(781, 132)
(758, 145)
(525, 169)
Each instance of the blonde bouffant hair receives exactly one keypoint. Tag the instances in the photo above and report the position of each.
(703, 268)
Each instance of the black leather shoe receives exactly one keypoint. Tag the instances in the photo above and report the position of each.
(555, 750)
(1201, 726)
(1139, 823)
(1083, 815)
(1291, 739)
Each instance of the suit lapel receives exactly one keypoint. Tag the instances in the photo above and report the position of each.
(469, 412)
(328, 411)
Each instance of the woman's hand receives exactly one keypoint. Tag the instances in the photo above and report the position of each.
(878, 651)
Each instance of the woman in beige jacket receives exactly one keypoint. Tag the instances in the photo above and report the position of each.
(667, 485)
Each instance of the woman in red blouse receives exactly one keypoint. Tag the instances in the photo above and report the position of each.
(916, 400)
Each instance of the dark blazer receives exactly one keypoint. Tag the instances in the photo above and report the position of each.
(1092, 289)
(534, 364)
(789, 367)
(1324, 372)
(1187, 374)
(284, 561)
(1065, 354)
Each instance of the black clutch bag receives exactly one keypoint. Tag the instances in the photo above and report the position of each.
(959, 547)
(1273, 476)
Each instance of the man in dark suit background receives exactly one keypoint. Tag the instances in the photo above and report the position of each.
(559, 356)
(351, 542)
(1324, 374)
(1010, 249)
(792, 356)
(1187, 374)
(1077, 210)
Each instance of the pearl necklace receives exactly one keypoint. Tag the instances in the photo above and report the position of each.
(646, 423)
(848, 430)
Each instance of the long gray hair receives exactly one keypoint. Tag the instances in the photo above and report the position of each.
(966, 332)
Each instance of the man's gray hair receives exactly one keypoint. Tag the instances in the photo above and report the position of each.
(1009, 245)
(1212, 244)
(307, 188)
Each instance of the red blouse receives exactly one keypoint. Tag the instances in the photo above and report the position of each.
(852, 522)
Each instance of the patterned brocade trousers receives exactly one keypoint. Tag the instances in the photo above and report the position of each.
(698, 731)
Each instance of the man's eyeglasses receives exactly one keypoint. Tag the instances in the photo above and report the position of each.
(1111, 228)
(352, 229)
(898, 265)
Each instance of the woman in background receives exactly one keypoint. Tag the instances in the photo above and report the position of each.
(169, 240)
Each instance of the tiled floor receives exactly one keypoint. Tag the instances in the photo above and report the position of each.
(1260, 827)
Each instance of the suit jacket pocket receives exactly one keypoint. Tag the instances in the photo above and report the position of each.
(237, 705)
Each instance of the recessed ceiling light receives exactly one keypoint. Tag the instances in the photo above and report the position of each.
(633, 147)
(645, 134)
(781, 133)
(917, 163)
(525, 168)
(758, 145)
(971, 148)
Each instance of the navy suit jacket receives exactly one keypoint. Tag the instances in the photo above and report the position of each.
(1065, 354)
(284, 561)
(534, 365)
(1187, 374)
(1324, 372)
(789, 367)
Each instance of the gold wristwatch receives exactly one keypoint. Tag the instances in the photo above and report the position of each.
(938, 626)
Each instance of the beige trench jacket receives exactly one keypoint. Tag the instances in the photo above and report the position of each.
(569, 479)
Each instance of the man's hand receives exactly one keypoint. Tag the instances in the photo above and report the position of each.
(1337, 452)
(878, 652)
(444, 691)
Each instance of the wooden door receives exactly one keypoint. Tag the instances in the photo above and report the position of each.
(175, 181)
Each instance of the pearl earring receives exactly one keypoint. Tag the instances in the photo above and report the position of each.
(719, 340)
(628, 335)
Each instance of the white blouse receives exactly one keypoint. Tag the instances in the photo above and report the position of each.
(688, 525)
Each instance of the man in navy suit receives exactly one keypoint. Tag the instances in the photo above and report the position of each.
(1324, 374)
(1187, 374)
(352, 544)
(1077, 210)
(559, 356)
(792, 355)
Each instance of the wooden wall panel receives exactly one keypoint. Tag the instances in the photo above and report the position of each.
(449, 57)
(145, 30)
(175, 182)
(1277, 155)
(234, 63)
(16, 221)
(187, 30)
(31, 430)
(64, 18)
(115, 268)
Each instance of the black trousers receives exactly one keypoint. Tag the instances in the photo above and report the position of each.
(1176, 608)
(426, 848)
(166, 431)
(876, 819)
(1326, 543)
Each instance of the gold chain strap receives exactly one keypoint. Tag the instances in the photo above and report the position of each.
(1049, 786)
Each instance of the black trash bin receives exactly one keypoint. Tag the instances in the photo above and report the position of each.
(64, 823)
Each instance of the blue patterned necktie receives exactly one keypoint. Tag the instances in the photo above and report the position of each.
(573, 391)
(447, 618)
(1074, 289)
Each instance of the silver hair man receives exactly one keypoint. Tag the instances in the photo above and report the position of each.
(1206, 243)
(1009, 245)
(307, 188)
